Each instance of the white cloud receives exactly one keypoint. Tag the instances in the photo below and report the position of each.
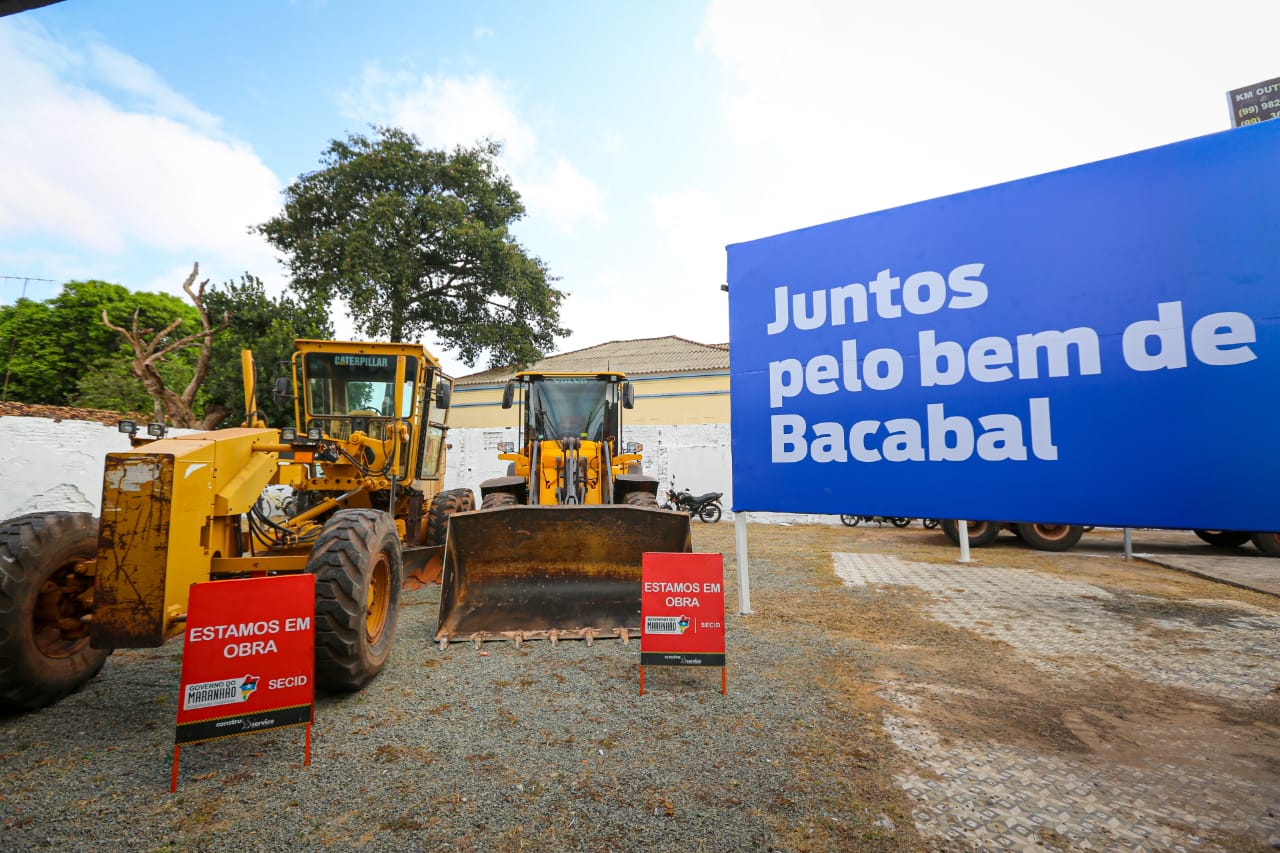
(153, 95)
(562, 193)
(445, 112)
(841, 108)
(102, 181)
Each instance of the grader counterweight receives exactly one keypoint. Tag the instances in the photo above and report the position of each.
(365, 465)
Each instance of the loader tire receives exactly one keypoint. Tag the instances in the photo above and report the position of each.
(44, 637)
(444, 505)
(1267, 543)
(981, 533)
(640, 499)
(496, 499)
(359, 570)
(1224, 538)
(1050, 537)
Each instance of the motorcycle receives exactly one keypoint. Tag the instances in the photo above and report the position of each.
(855, 520)
(706, 507)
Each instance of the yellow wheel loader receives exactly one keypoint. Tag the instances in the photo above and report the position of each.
(555, 550)
(364, 465)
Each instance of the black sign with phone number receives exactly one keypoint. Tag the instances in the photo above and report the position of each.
(1255, 103)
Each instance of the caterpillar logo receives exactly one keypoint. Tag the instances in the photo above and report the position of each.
(361, 360)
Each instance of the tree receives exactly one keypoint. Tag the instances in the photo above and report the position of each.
(417, 241)
(267, 327)
(52, 348)
(149, 354)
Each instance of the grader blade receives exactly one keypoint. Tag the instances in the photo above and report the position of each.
(422, 565)
(550, 572)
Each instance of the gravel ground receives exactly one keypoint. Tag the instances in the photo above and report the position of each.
(535, 748)
(853, 713)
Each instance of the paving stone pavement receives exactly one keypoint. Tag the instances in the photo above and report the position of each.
(1003, 797)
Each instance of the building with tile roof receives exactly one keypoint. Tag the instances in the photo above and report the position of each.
(677, 381)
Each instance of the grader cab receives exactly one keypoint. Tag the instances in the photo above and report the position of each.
(555, 550)
(364, 464)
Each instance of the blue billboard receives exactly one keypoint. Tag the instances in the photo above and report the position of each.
(1098, 345)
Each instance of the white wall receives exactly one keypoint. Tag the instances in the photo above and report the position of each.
(50, 465)
(57, 465)
(690, 456)
(694, 456)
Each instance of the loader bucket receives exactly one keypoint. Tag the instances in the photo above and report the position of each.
(550, 572)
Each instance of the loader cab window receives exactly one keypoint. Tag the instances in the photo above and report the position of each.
(583, 407)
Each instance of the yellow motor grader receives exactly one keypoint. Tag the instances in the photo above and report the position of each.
(364, 464)
(555, 550)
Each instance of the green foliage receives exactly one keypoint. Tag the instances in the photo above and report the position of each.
(64, 355)
(51, 347)
(418, 241)
(267, 327)
(111, 385)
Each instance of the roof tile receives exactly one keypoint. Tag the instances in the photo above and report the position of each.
(637, 357)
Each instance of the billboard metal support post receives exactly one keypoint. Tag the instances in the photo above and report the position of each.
(1128, 543)
(744, 575)
(962, 528)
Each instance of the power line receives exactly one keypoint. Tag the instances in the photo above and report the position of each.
(13, 335)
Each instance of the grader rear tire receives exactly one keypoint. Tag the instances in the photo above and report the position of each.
(44, 638)
(444, 505)
(359, 571)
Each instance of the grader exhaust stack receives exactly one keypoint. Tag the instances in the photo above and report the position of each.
(555, 551)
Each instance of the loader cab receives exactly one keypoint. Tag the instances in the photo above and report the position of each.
(557, 407)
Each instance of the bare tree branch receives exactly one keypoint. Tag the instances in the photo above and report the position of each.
(147, 355)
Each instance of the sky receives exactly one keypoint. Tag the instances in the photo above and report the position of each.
(140, 136)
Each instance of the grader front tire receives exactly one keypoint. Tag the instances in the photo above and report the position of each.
(44, 601)
(359, 571)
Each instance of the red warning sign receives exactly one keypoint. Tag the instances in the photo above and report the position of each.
(248, 662)
(682, 610)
